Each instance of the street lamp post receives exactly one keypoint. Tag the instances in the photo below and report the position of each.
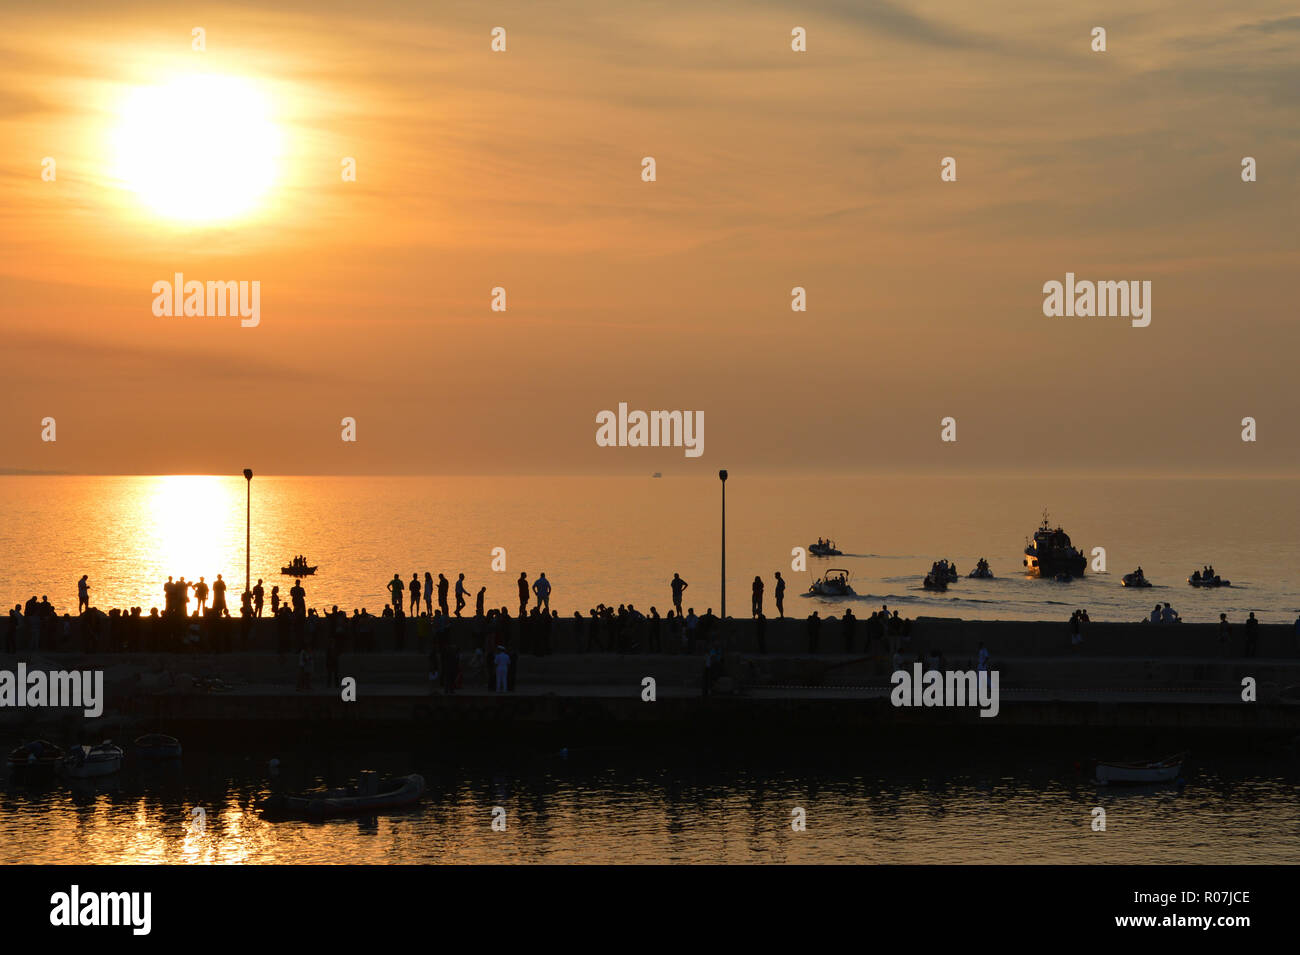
(722, 476)
(248, 530)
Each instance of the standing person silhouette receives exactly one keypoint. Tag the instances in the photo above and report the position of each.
(83, 594)
(478, 601)
(414, 588)
(428, 593)
(523, 593)
(396, 588)
(678, 586)
(757, 608)
(542, 588)
(442, 595)
(779, 593)
(218, 597)
(201, 596)
(461, 594)
(259, 597)
(275, 600)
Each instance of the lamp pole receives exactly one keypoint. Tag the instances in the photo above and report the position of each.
(248, 529)
(722, 476)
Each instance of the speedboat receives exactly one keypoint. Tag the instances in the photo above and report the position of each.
(982, 571)
(34, 757)
(370, 795)
(1135, 579)
(1159, 771)
(1051, 554)
(834, 583)
(84, 762)
(824, 549)
(932, 582)
(1197, 580)
(157, 746)
(298, 568)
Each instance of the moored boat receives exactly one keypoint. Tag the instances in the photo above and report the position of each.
(157, 746)
(85, 762)
(369, 795)
(833, 583)
(35, 756)
(1157, 771)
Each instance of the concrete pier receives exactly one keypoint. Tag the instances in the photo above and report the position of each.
(1177, 678)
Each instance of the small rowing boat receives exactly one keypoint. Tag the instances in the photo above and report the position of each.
(157, 746)
(85, 762)
(369, 795)
(35, 757)
(1158, 771)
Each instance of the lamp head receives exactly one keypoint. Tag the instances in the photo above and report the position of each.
(248, 474)
(722, 475)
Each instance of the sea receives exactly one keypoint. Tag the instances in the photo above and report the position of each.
(620, 539)
(916, 805)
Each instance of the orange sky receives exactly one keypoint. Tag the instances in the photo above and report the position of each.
(775, 169)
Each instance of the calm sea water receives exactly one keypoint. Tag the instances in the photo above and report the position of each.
(621, 539)
(1003, 807)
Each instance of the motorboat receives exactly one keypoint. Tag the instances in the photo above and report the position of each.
(157, 746)
(932, 582)
(34, 757)
(85, 762)
(833, 583)
(824, 548)
(982, 571)
(1159, 771)
(298, 567)
(945, 571)
(1207, 578)
(1135, 579)
(370, 795)
(1051, 554)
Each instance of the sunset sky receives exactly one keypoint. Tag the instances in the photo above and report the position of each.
(775, 169)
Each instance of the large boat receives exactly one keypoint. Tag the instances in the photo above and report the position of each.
(834, 583)
(1051, 554)
(1158, 771)
(370, 795)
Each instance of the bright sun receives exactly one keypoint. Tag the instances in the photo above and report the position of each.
(200, 148)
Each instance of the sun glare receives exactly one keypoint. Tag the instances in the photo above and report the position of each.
(200, 148)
